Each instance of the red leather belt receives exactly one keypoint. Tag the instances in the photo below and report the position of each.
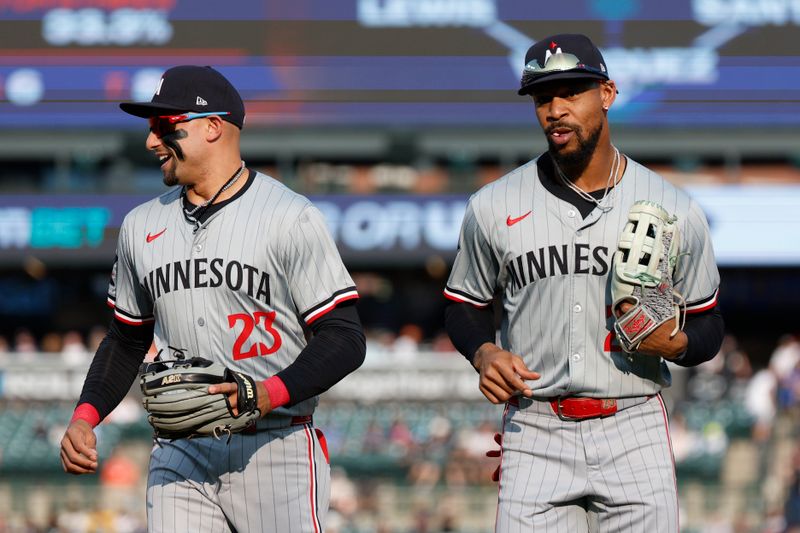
(582, 408)
(579, 408)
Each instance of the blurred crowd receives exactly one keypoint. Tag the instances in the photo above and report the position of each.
(730, 377)
(74, 347)
(383, 345)
(114, 505)
(436, 467)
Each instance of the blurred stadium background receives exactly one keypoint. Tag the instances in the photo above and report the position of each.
(388, 113)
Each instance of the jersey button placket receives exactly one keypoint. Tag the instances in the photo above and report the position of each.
(197, 299)
(577, 321)
(577, 289)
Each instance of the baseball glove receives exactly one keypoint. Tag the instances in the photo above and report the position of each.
(175, 394)
(643, 273)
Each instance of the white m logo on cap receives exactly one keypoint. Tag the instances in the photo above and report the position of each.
(547, 54)
(200, 101)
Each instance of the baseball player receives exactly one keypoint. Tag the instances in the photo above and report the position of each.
(585, 443)
(232, 266)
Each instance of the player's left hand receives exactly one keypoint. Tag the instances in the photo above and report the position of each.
(231, 389)
(660, 342)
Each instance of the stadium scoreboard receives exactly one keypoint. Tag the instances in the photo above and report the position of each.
(723, 63)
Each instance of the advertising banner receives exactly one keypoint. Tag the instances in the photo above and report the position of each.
(397, 230)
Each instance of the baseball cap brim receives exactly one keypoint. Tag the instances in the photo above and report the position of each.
(559, 75)
(149, 109)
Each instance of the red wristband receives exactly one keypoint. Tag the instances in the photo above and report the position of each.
(277, 392)
(87, 412)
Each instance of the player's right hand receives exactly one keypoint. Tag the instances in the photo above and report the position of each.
(661, 342)
(79, 448)
(502, 373)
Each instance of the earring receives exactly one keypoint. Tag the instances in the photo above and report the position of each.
(605, 108)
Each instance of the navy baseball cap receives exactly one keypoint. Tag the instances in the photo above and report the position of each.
(190, 88)
(559, 57)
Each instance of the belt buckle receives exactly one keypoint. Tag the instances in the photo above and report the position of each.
(560, 413)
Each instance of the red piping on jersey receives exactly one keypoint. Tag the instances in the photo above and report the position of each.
(500, 466)
(323, 444)
(312, 493)
(130, 322)
(87, 412)
(704, 307)
(330, 307)
(672, 456)
(455, 298)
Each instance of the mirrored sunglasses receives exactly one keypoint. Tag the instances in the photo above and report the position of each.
(158, 124)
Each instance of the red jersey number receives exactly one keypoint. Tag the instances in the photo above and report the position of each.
(251, 322)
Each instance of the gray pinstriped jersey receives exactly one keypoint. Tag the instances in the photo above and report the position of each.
(236, 290)
(552, 268)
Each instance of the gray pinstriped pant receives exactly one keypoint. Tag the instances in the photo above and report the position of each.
(613, 474)
(275, 480)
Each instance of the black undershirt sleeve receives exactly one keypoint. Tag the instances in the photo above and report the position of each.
(337, 348)
(115, 366)
(705, 332)
(469, 327)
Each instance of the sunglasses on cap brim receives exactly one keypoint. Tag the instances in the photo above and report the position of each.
(560, 62)
(186, 117)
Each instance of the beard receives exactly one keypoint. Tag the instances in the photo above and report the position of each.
(575, 162)
(170, 177)
(171, 143)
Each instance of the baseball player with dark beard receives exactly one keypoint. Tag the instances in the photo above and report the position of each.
(231, 266)
(580, 244)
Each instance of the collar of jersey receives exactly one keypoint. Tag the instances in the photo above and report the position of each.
(216, 207)
(547, 177)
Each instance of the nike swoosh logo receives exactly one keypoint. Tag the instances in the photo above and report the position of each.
(511, 221)
(151, 238)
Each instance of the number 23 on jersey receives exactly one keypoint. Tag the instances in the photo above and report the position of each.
(244, 347)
